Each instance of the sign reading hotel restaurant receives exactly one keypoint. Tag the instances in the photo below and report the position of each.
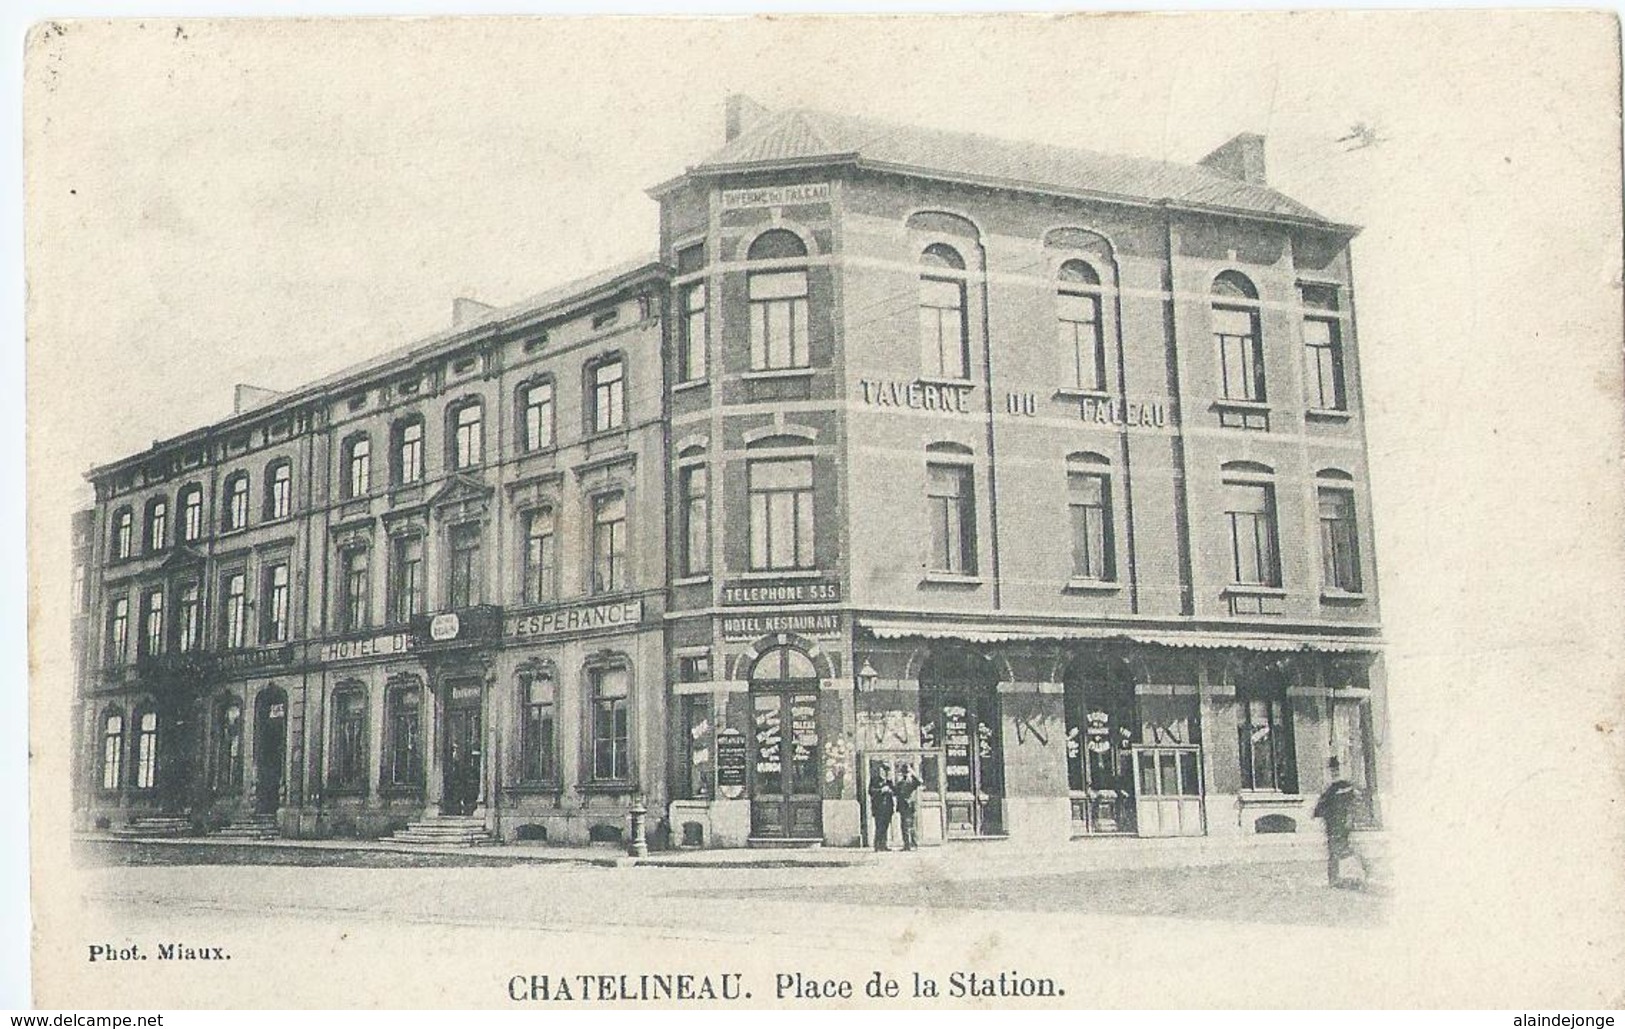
(373, 646)
(812, 591)
(776, 196)
(1120, 411)
(920, 396)
(818, 624)
(581, 618)
(260, 657)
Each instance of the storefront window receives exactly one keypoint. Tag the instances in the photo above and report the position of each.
(406, 737)
(1264, 729)
(348, 768)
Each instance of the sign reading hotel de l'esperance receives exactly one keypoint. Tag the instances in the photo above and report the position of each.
(577, 618)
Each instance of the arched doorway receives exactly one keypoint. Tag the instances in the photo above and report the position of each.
(270, 748)
(959, 714)
(1102, 728)
(785, 781)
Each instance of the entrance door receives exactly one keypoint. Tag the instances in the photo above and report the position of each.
(462, 758)
(1101, 728)
(929, 822)
(270, 750)
(786, 799)
(964, 724)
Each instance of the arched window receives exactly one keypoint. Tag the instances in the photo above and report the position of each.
(146, 749)
(152, 622)
(404, 758)
(228, 746)
(1339, 532)
(112, 749)
(236, 512)
(191, 505)
(944, 335)
(536, 414)
(1089, 504)
(537, 698)
(278, 490)
(356, 458)
(1249, 505)
(780, 497)
(1241, 346)
(466, 429)
(1078, 324)
(694, 515)
(157, 531)
(406, 450)
(123, 533)
(778, 304)
(347, 766)
(783, 664)
(1323, 347)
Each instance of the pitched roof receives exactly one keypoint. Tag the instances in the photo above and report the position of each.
(805, 136)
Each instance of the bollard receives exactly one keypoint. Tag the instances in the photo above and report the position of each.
(637, 846)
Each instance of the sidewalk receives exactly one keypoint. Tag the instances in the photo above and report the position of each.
(970, 857)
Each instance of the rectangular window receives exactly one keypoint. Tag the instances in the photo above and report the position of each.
(409, 452)
(237, 503)
(275, 601)
(123, 534)
(778, 320)
(468, 440)
(942, 328)
(695, 538)
(1250, 511)
(696, 743)
(1323, 353)
(152, 618)
(1081, 341)
(608, 395)
(113, 752)
(950, 497)
(281, 491)
(118, 631)
(146, 751)
(189, 614)
(691, 334)
(355, 590)
(349, 766)
(236, 610)
(537, 693)
(781, 513)
(406, 738)
(406, 579)
(1339, 544)
(611, 738)
(157, 525)
(1264, 731)
(541, 557)
(538, 415)
(1241, 353)
(1089, 499)
(360, 468)
(465, 580)
(192, 514)
(609, 543)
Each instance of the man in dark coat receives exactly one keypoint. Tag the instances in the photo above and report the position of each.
(906, 788)
(881, 800)
(1336, 807)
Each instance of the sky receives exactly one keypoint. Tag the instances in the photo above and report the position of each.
(213, 202)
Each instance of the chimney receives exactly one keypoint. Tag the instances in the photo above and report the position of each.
(742, 113)
(245, 397)
(1241, 158)
(465, 311)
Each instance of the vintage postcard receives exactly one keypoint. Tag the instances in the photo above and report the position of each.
(913, 512)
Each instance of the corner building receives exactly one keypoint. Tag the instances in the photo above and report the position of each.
(1043, 471)
(1040, 470)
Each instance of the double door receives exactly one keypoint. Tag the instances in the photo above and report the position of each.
(963, 725)
(463, 754)
(786, 799)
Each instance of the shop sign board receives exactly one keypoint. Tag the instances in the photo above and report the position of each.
(738, 593)
(731, 763)
(381, 645)
(817, 624)
(259, 657)
(776, 196)
(581, 618)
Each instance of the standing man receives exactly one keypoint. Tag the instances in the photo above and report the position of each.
(881, 799)
(908, 784)
(1336, 808)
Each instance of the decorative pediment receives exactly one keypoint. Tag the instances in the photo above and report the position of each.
(407, 521)
(182, 558)
(354, 536)
(462, 497)
(536, 491)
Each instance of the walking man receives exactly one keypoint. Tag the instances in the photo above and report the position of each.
(906, 787)
(1336, 808)
(881, 800)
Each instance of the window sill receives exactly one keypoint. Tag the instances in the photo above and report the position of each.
(1082, 393)
(943, 380)
(1333, 596)
(1092, 586)
(1326, 414)
(682, 387)
(769, 374)
(782, 573)
(538, 451)
(1240, 589)
(1230, 404)
(607, 787)
(952, 579)
(400, 792)
(1245, 797)
(692, 580)
(533, 788)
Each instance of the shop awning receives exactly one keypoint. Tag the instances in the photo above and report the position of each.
(972, 632)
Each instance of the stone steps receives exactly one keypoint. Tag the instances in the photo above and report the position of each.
(253, 827)
(445, 831)
(162, 826)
